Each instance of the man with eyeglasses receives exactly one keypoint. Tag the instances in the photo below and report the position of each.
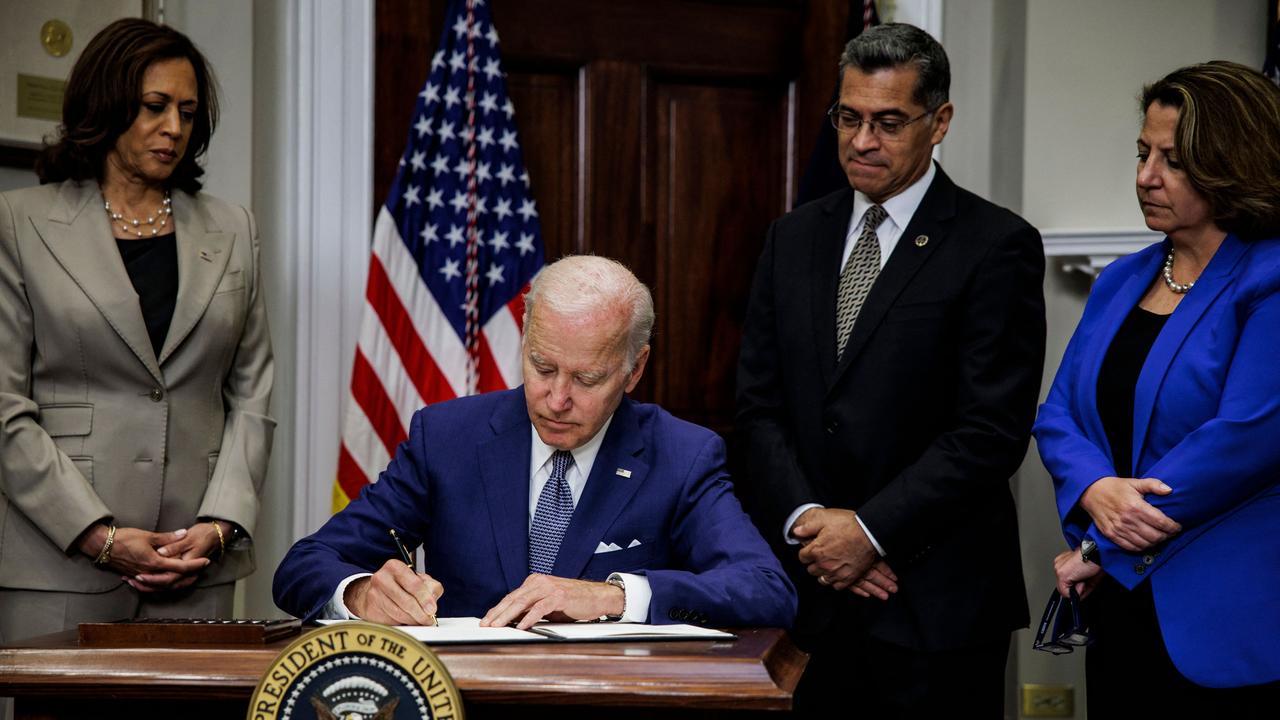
(888, 378)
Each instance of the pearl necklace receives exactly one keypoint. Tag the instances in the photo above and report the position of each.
(136, 225)
(1175, 287)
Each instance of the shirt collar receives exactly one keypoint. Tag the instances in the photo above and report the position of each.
(900, 207)
(584, 456)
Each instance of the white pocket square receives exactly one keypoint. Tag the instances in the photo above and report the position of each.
(634, 543)
(611, 547)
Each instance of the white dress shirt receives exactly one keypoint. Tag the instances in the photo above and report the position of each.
(900, 209)
(638, 592)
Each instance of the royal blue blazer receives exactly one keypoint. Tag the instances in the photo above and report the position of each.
(1206, 422)
(459, 486)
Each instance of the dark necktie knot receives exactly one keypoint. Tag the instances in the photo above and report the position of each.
(872, 219)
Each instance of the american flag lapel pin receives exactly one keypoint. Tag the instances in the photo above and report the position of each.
(622, 472)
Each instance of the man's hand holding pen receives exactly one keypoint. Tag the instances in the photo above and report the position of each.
(394, 595)
(397, 594)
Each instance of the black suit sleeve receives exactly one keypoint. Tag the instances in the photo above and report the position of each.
(1001, 335)
(777, 483)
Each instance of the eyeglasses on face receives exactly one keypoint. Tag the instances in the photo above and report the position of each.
(850, 122)
(1069, 630)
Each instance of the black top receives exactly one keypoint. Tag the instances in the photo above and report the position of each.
(152, 264)
(1118, 379)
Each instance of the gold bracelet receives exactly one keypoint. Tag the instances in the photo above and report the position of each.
(104, 555)
(222, 541)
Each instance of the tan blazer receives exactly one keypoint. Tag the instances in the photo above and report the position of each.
(92, 424)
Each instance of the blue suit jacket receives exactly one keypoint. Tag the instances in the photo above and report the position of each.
(460, 486)
(1206, 422)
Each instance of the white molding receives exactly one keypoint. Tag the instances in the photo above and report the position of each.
(332, 217)
(1089, 250)
(924, 14)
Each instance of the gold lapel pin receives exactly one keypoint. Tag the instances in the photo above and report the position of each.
(922, 240)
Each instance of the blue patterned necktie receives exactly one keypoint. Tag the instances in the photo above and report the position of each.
(551, 518)
(859, 274)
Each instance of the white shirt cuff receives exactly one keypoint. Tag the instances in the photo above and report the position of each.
(791, 520)
(872, 538)
(635, 598)
(336, 609)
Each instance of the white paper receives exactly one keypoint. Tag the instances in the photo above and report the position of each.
(630, 631)
(462, 630)
(468, 630)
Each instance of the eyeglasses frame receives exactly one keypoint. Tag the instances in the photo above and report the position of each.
(833, 114)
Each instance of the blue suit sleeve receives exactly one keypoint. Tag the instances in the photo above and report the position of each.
(1073, 460)
(728, 575)
(357, 540)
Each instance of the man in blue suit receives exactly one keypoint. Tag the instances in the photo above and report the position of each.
(566, 502)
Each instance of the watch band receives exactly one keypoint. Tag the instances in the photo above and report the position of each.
(1089, 551)
(617, 582)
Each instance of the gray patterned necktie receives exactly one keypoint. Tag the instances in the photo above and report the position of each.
(551, 517)
(858, 275)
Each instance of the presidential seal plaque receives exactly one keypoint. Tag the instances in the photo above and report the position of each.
(356, 671)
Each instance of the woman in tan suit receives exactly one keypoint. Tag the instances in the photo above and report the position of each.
(135, 365)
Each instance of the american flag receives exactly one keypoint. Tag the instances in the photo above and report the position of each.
(454, 248)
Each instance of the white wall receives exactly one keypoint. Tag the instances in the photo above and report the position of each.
(1086, 63)
(223, 31)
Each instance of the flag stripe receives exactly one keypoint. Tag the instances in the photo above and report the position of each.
(363, 444)
(502, 334)
(516, 306)
(372, 398)
(490, 378)
(350, 477)
(378, 348)
(397, 328)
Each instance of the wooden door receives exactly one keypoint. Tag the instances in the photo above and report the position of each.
(664, 133)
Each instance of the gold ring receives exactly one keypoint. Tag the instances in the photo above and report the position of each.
(822, 580)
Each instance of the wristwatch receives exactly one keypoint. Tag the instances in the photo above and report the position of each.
(617, 582)
(1089, 551)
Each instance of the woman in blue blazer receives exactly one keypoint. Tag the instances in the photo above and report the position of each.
(1162, 428)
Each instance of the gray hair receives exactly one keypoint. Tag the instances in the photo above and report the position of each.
(580, 284)
(895, 45)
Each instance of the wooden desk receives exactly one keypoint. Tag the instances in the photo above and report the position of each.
(52, 677)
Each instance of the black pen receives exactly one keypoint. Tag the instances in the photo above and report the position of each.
(404, 552)
(407, 557)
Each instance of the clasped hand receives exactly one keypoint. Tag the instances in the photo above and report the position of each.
(155, 561)
(1119, 508)
(397, 595)
(837, 552)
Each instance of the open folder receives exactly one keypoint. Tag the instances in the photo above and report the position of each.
(468, 630)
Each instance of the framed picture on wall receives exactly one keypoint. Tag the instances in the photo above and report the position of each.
(39, 44)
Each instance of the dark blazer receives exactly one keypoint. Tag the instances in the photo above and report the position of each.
(460, 486)
(920, 425)
(1207, 422)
